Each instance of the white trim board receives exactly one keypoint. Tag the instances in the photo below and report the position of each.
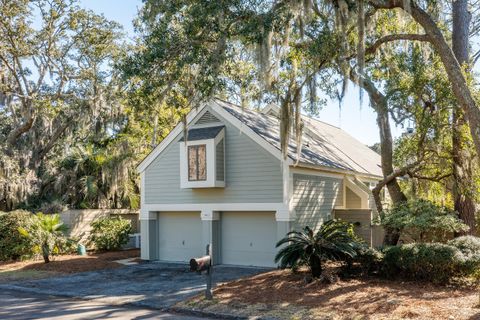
(282, 213)
(320, 173)
(260, 206)
(324, 169)
(211, 178)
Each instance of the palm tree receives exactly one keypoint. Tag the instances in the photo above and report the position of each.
(46, 231)
(333, 241)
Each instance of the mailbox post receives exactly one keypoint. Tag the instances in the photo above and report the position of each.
(204, 264)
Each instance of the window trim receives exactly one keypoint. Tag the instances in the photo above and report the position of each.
(211, 165)
(196, 147)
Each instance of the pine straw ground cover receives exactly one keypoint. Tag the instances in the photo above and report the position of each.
(280, 294)
(64, 264)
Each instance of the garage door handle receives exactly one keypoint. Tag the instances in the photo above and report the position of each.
(183, 242)
(251, 244)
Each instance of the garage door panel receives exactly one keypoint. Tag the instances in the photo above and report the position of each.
(180, 236)
(248, 238)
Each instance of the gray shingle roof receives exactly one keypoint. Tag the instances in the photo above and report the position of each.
(323, 144)
(203, 133)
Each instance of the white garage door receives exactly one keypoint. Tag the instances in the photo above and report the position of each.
(248, 238)
(180, 236)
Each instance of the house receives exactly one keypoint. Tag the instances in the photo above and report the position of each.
(227, 184)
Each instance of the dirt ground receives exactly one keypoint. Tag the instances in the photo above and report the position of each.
(284, 295)
(64, 264)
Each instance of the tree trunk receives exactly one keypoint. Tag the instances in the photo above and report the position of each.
(315, 266)
(379, 103)
(461, 155)
(19, 131)
(46, 253)
(386, 143)
(392, 235)
(452, 67)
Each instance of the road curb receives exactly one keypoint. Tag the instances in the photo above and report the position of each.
(112, 302)
(200, 313)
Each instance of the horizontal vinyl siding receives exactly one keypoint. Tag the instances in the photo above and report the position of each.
(251, 175)
(207, 118)
(314, 198)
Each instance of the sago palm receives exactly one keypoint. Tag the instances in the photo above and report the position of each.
(333, 241)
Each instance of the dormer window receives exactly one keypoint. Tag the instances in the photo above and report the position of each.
(202, 163)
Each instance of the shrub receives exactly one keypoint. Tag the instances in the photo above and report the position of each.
(332, 241)
(46, 233)
(110, 233)
(436, 262)
(13, 245)
(470, 247)
(423, 221)
(369, 259)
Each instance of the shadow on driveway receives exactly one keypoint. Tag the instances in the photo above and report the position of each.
(16, 305)
(154, 285)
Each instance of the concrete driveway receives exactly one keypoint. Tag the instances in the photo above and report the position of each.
(153, 285)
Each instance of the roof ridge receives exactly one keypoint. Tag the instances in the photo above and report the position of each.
(315, 129)
(317, 120)
(276, 106)
(257, 112)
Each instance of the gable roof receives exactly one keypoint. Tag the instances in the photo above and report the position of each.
(323, 144)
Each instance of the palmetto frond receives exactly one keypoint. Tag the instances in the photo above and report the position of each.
(332, 241)
(45, 231)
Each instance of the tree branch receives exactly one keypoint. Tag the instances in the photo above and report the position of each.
(452, 67)
(435, 178)
(395, 37)
(51, 143)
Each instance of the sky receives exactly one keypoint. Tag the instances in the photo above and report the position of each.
(359, 121)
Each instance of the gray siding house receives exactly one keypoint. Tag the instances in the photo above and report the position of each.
(227, 184)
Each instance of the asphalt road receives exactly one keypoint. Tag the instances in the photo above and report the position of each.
(20, 305)
(153, 285)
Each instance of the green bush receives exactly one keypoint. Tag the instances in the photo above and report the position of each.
(436, 262)
(110, 233)
(369, 259)
(423, 221)
(470, 248)
(469, 245)
(46, 233)
(13, 245)
(333, 241)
